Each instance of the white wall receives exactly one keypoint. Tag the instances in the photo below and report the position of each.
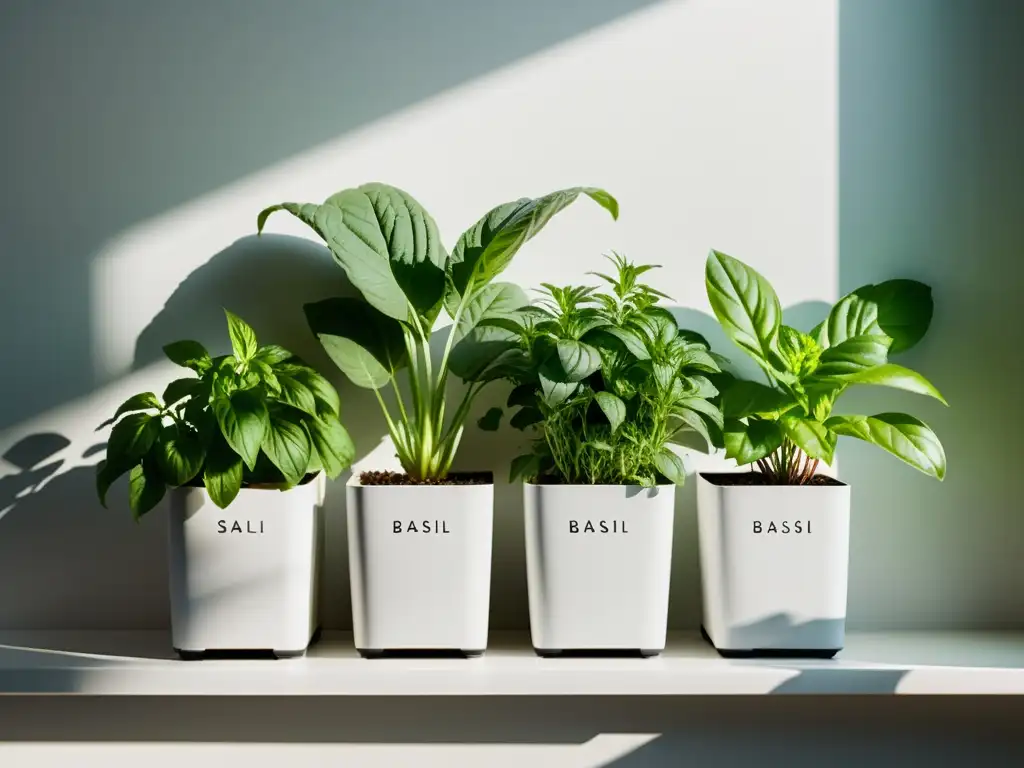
(712, 121)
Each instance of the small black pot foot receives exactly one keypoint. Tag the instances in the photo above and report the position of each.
(548, 653)
(648, 653)
(472, 654)
(190, 655)
(371, 653)
(289, 654)
(771, 653)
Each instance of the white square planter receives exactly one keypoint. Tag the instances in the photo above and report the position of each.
(245, 577)
(598, 566)
(773, 562)
(420, 566)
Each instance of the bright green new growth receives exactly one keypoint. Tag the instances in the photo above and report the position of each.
(391, 252)
(786, 427)
(609, 381)
(259, 416)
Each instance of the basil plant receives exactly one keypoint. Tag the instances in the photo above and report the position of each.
(785, 426)
(391, 251)
(608, 381)
(256, 417)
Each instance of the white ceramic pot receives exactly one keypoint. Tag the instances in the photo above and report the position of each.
(773, 564)
(420, 566)
(245, 577)
(598, 566)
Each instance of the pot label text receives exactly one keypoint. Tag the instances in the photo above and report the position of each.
(234, 526)
(599, 526)
(420, 526)
(786, 526)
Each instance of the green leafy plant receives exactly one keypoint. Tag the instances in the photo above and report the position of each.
(392, 253)
(786, 426)
(257, 417)
(609, 381)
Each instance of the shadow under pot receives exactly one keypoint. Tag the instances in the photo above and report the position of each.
(598, 565)
(773, 562)
(420, 565)
(243, 579)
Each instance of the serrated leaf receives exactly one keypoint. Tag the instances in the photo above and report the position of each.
(903, 436)
(613, 408)
(244, 422)
(189, 354)
(491, 420)
(287, 444)
(331, 444)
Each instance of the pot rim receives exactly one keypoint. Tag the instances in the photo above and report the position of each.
(706, 477)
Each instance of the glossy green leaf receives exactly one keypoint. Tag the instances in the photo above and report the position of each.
(141, 402)
(555, 392)
(671, 466)
(331, 444)
(145, 488)
(324, 393)
(612, 407)
(898, 309)
(179, 389)
(106, 473)
(614, 338)
(367, 346)
(743, 398)
(486, 249)
(526, 466)
(222, 474)
(810, 436)
(491, 304)
(576, 360)
(746, 443)
(295, 393)
(897, 377)
(132, 437)
(904, 436)
(287, 444)
(491, 420)
(180, 454)
(852, 356)
(703, 407)
(745, 304)
(189, 354)
(243, 337)
(482, 348)
(243, 421)
(272, 354)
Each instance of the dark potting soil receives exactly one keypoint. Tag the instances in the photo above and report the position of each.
(400, 478)
(757, 478)
(197, 482)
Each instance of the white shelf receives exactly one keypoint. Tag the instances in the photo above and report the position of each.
(142, 663)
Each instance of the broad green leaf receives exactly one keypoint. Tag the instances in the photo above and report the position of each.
(482, 348)
(142, 402)
(743, 398)
(106, 473)
(671, 466)
(812, 437)
(491, 303)
(897, 377)
(305, 212)
(613, 408)
(296, 394)
(326, 395)
(288, 446)
(332, 445)
(367, 346)
(272, 354)
(180, 454)
(555, 392)
(189, 354)
(746, 443)
(694, 421)
(576, 360)
(852, 356)
(745, 305)
(692, 337)
(485, 249)
(244, 422)
(525, 417)
(614, 338)
(491, 420)
(703, 407)
(145, 488)
(700, 386)
(698, 359)
(131, 438)
(903, 436)
(222, 474)
(526, 466)
(243, 337)
(899, 309)
(179, 389)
